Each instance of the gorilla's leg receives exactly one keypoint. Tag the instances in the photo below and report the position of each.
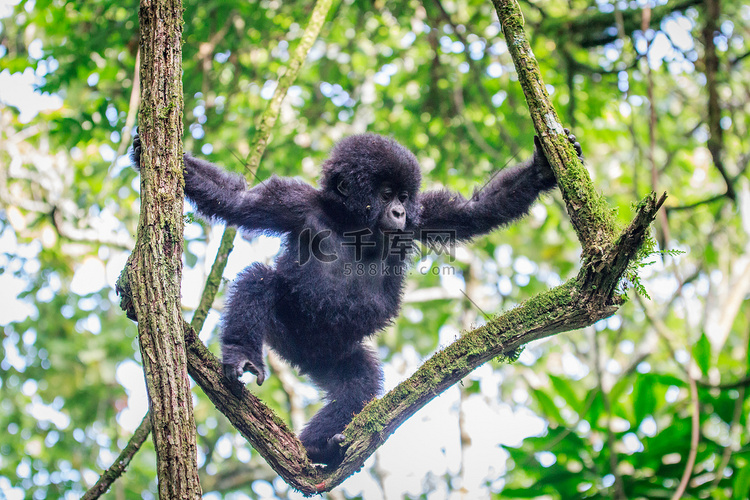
(248, 318)
(349, 384)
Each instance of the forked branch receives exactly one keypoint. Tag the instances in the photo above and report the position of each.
(580, 302)
(592, 295)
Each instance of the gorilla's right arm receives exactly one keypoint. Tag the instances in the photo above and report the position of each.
(276, 205)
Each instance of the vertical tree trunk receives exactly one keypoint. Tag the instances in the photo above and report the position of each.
(155, 268)
(711, 60)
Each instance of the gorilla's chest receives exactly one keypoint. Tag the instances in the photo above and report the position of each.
(358, 298)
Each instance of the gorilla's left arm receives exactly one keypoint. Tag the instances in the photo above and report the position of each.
(506, 197)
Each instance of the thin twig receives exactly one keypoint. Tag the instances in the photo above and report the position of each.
(214, 278)
(711, 64)
(507, 140)
(267, 121)
(122, 461)
(735, 428)
(663, 223)
(619, 492)
(738, 384)
(664, 335)
(694, 437)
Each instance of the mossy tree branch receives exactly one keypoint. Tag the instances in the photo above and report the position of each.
(591, 216)
(577, 303)
(589, 213)
(257, 423)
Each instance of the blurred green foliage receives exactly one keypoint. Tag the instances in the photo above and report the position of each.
(614, 399)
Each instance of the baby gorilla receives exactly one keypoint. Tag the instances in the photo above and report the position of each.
(340, 277)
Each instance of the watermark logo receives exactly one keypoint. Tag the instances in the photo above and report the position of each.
(321, 246)
(439, 242)
(310, 246)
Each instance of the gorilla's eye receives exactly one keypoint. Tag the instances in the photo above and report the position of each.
(343, 187)
(402, 197)
(386, 193)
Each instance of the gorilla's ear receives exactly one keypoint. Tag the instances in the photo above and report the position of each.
(342, 186)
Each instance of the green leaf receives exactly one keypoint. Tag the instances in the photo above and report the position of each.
(619, 388)
(667, 380)
(702, 353)
(565, 390)
(547, 406)
(644, 401)
(742, 483)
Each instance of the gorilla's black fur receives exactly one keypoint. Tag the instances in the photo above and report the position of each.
(340, 277)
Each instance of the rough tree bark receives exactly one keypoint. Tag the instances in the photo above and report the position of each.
(155, 267)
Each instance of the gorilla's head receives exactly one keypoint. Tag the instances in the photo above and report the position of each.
(376, 179)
